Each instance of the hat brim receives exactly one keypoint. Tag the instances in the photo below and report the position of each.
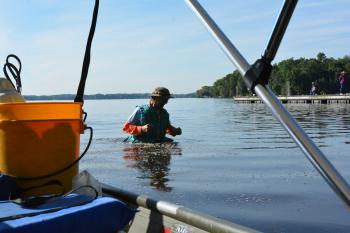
(163, 96)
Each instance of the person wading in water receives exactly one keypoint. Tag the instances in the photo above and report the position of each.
(150, 122)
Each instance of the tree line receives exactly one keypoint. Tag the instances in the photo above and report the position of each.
(101, 96)
(291, 76)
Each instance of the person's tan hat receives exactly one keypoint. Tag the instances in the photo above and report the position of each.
(343, 72)
(161, 92)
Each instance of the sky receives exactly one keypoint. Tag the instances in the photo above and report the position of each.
(142, 44)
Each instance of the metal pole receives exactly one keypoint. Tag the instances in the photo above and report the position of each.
(179, 213)
(279, 29)
(229, 49)
(318, 159)
(312, 152)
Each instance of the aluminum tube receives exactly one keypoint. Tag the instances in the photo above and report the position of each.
(313, 153)
(229, 49)
(321, 163)
(193, 218)
(279, 29)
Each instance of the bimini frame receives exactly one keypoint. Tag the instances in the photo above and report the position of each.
(256, 78)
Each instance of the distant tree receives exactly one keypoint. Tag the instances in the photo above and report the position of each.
(299, 73)
(321, 57)
(206, 91)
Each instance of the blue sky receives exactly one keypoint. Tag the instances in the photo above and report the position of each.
(141, 44)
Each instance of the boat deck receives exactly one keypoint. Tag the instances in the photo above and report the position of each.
(301, 99)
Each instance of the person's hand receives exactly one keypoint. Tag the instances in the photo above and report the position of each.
(178, 131)
(146, 128)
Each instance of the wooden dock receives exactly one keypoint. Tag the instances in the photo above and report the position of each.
(302, 99)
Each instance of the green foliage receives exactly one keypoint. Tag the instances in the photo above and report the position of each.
(230, 85)
(102, 96)
(298, 73)
(206, 91)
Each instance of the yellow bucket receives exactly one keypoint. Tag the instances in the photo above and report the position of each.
(40, 138)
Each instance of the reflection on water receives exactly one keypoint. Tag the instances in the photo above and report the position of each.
(324, 123)
(321, 122)
(152, 160)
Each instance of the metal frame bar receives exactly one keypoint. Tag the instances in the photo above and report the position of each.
(201, 221)
(279, 29)
(312, 152)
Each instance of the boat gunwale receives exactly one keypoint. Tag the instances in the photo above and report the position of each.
(180, 213)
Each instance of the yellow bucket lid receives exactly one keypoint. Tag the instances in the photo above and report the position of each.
(40, 111)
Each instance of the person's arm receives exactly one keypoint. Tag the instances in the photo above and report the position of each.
(132, 129)
(173, 131)
(132, 125)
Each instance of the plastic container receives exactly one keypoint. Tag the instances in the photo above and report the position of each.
(8, 93)
(40, 138)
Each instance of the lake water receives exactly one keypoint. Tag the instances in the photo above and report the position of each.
(233, 161)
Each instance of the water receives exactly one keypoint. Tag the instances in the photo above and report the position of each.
(233, 161)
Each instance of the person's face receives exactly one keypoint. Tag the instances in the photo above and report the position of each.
(158, 102)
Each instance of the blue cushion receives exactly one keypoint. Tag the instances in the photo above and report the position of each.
(103, 215)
